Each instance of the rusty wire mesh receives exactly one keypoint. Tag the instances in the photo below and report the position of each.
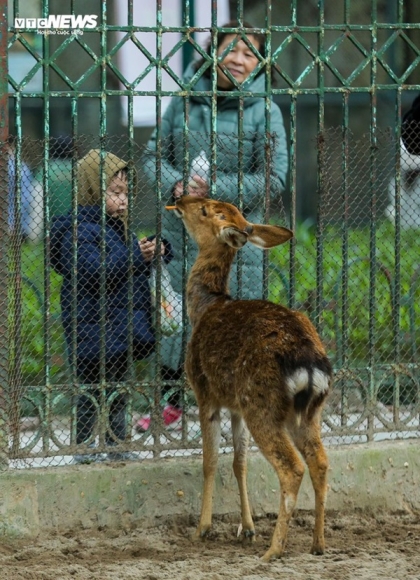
(84, 382)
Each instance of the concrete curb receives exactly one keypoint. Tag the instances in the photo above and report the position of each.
(375, 477)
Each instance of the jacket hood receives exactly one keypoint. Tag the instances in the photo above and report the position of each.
(89, 175)
(256, 85)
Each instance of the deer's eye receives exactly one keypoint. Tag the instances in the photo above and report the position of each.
(203, 211)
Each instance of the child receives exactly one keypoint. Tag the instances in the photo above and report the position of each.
(94, 287)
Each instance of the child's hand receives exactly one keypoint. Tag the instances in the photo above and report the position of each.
(148, 248)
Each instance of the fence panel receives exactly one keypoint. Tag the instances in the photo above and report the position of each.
(81, 376)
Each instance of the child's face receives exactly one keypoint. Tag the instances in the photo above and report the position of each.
(117, 195)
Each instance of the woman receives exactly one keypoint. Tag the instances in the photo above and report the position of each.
(236, 64)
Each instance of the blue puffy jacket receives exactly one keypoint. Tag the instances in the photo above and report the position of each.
(87, 291)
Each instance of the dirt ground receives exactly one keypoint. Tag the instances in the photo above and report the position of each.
(358, 546)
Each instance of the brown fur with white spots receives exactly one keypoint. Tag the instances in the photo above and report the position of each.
(262, 361)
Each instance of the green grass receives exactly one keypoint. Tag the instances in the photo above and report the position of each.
(364, 316)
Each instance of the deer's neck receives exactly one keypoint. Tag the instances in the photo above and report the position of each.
(208, 281)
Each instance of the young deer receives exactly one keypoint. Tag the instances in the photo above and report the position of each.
(263, 362)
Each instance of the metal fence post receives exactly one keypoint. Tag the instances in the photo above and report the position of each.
(4, 130)
(337, 74)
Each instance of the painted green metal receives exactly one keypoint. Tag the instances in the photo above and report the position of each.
(329, 292)
(4, 131)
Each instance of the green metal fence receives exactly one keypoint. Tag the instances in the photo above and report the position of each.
(75, 377)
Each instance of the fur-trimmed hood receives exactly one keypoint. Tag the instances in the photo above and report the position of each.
(89, 175)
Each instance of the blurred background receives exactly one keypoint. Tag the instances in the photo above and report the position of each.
(396, 68)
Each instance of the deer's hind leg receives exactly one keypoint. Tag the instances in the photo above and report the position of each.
(240, 446)
(276, 445)
(308, 441)
(210, 430)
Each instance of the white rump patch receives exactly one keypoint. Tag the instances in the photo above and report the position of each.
(321, 382)
(299, 381)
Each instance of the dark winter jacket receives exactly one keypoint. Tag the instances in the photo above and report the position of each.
(87, 306)
(98, 294)
(252, 139)
(238, 177)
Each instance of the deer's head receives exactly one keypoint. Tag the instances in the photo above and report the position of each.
(212, 222)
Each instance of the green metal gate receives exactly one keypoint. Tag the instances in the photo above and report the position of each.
(342, 76)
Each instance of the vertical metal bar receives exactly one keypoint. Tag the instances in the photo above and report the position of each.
(240, 198)
(16, 284)
(240, 202)
(343, 347)
(321, 167)
(185, 252)
(269, 142)
(293, 6)
(130, 330)
(73, 281)
(157, 391)
(47, 247)
(15, 265)
(293, 179)
(396, 294)
(347, 11)
(188, 19)
(185, 177)
(130, 377)
(4, 176)
(342, 339)
(291, 298)
(103, 415)
(185, 238)
(396, 307)
(213, 112)
(293, 188)
(373, 203)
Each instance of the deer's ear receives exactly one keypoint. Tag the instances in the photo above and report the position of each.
(266, 236)
(233, 237)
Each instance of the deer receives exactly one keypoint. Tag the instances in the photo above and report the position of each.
(263, 362)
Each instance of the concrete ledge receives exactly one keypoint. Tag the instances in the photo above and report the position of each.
(379, 477)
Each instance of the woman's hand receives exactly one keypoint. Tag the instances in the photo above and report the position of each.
(148, 249)
(197, 187)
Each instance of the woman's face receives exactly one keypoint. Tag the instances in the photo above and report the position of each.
(240, 61)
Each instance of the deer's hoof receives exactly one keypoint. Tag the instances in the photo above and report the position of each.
(248, 535)
(200, 534)
(271, 555)
(317, 550)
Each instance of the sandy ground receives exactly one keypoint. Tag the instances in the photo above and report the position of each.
(358, 546)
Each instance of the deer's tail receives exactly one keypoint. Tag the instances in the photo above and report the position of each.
(308, 381)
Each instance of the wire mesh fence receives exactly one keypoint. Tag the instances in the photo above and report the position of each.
(97, 326)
